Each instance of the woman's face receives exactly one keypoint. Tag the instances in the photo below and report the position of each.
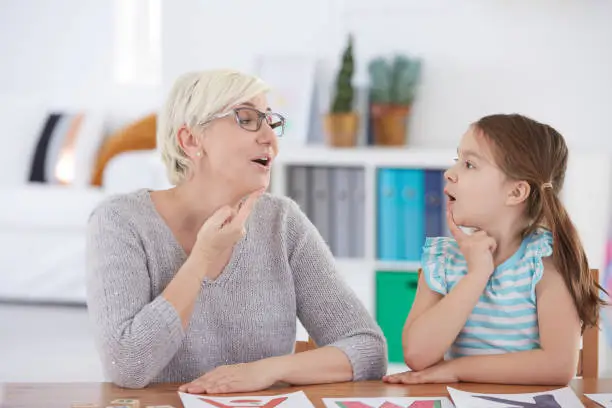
(239, 151)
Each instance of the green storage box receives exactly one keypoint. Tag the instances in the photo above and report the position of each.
(395, 292)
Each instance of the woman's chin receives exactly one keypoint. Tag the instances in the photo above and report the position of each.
(259, 184)
(264, 183)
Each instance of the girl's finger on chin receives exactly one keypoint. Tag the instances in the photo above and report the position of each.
(456, 232)
(480, 234)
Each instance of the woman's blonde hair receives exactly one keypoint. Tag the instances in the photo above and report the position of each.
(195, 98)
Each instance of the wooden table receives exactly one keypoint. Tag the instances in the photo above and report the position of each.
(62, 395)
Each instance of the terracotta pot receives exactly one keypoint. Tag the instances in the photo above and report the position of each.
(341, 129)
(389, 124)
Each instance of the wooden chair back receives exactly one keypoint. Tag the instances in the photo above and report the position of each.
(301, 346)
(588, 362)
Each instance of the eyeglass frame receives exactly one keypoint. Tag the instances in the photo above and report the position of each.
(260, 118)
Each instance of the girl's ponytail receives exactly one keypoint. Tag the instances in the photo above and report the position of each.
(570, 259)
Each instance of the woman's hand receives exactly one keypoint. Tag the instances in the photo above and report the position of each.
(248, 377)
(218, 235)
(442, 372)
(477, 248)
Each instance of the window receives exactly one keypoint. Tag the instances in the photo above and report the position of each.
(137, 42)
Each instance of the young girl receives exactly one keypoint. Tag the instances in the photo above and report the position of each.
(508, 302)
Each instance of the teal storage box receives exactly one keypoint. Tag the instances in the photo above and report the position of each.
(395, 293)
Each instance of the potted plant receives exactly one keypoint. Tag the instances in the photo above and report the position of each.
(392, 92)
(342, 121)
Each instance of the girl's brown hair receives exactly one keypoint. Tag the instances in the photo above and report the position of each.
(528, 150)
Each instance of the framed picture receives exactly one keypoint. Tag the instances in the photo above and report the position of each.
(292, 82)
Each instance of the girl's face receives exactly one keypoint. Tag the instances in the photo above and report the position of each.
(478, 191)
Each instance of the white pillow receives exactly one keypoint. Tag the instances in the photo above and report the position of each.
(75, 166)
(132, 170)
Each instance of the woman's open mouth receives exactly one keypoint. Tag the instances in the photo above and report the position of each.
(263, 161)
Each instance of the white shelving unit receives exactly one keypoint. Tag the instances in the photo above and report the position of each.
(370, 159)
(360, 273)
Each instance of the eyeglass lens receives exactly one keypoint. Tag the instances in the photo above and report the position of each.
(250, 119)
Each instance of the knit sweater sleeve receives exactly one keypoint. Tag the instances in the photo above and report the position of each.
(329, 310)
(136, 335)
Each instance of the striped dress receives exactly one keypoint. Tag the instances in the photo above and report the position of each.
(505, 318)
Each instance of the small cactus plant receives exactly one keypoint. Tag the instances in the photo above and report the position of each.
(380, 81)
(395, 82)
(343, 99)
(406, 75)
(393, 86)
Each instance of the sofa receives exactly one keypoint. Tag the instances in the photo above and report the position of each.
(42, 229)
(43, 222)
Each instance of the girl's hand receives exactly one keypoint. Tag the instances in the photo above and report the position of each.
(477, 248)
(442, 372)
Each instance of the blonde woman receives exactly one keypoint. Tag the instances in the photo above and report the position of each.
(201, 284)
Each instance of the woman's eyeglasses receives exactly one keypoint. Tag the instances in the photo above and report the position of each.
(251, 119)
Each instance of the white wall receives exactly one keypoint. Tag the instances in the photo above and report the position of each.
(61, 53)
(548, 58)
(58, 49)
(551, 59)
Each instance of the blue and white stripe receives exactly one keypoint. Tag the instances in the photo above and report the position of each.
(505, 318)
